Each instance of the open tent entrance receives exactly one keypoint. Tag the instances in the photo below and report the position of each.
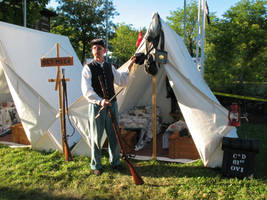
(137, 120)
(8, 113)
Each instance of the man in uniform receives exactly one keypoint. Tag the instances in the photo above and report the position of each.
(92, 91)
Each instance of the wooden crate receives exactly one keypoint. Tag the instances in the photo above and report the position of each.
(129, 140)
(182, 147)
(18, 134)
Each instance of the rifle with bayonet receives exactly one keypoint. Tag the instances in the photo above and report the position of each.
(137, 179)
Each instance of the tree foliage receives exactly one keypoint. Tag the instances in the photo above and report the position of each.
(237, 50)
(176, 22)
(124, 43)
(82, 21)
(12, 11)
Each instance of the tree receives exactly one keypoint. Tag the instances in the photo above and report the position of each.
(82, 21)
(11, 11)
(124, 43)
(176, 22)
(238, 52)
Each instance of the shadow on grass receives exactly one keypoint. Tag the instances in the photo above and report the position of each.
(20, 194)
(9, 193)
(159, 169)
(177, 171)
(183, 170)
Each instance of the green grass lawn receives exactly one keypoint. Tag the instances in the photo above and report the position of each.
(28, 174)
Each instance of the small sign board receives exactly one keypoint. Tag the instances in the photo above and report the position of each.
(239, 157)
(60, 61)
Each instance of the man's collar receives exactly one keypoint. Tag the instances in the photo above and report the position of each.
(100, 63)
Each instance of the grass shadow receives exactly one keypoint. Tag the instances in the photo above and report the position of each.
(159, 171)
(9, 193)
(20, 194)
(164, 169)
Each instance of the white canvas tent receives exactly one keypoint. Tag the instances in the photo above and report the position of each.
(36, 102)
(205, 117)
(35, 98)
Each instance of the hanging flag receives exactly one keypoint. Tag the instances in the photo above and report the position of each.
(207, 12)
(140, 38)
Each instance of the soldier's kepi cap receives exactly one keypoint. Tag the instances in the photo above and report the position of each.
(98, 41)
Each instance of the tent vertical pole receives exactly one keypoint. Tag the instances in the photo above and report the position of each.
(198, 34)
(154, 117)
(25, 14)
(184, 20)
(202, 58)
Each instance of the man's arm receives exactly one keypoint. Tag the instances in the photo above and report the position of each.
(121, 78)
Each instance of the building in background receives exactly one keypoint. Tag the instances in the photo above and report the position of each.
(43, 23)
(12, 11)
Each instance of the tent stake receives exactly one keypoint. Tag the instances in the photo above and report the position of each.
(154, 117)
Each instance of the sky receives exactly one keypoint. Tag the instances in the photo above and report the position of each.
(139, 12)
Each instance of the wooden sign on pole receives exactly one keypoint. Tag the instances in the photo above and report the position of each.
(60, 61)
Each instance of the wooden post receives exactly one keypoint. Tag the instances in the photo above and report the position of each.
(58, 87)
(62, 121)
(60, 61)
(154, 117)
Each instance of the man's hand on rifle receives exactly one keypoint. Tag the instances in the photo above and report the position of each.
(105, 103)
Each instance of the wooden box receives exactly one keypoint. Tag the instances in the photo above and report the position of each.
(182, 147)
(18, 134)
(129, 140)
(239, 156)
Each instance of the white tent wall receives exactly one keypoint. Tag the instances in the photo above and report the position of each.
(35, 98)
(205, 117)
(78, 113)
(35, 113)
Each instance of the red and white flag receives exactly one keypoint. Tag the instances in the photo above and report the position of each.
(140, 38)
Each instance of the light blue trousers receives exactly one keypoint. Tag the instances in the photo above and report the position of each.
(96, 128)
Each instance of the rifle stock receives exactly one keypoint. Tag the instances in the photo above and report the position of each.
(137, 179)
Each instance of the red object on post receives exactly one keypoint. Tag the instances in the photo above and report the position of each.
(234, 115)
(140, 38)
